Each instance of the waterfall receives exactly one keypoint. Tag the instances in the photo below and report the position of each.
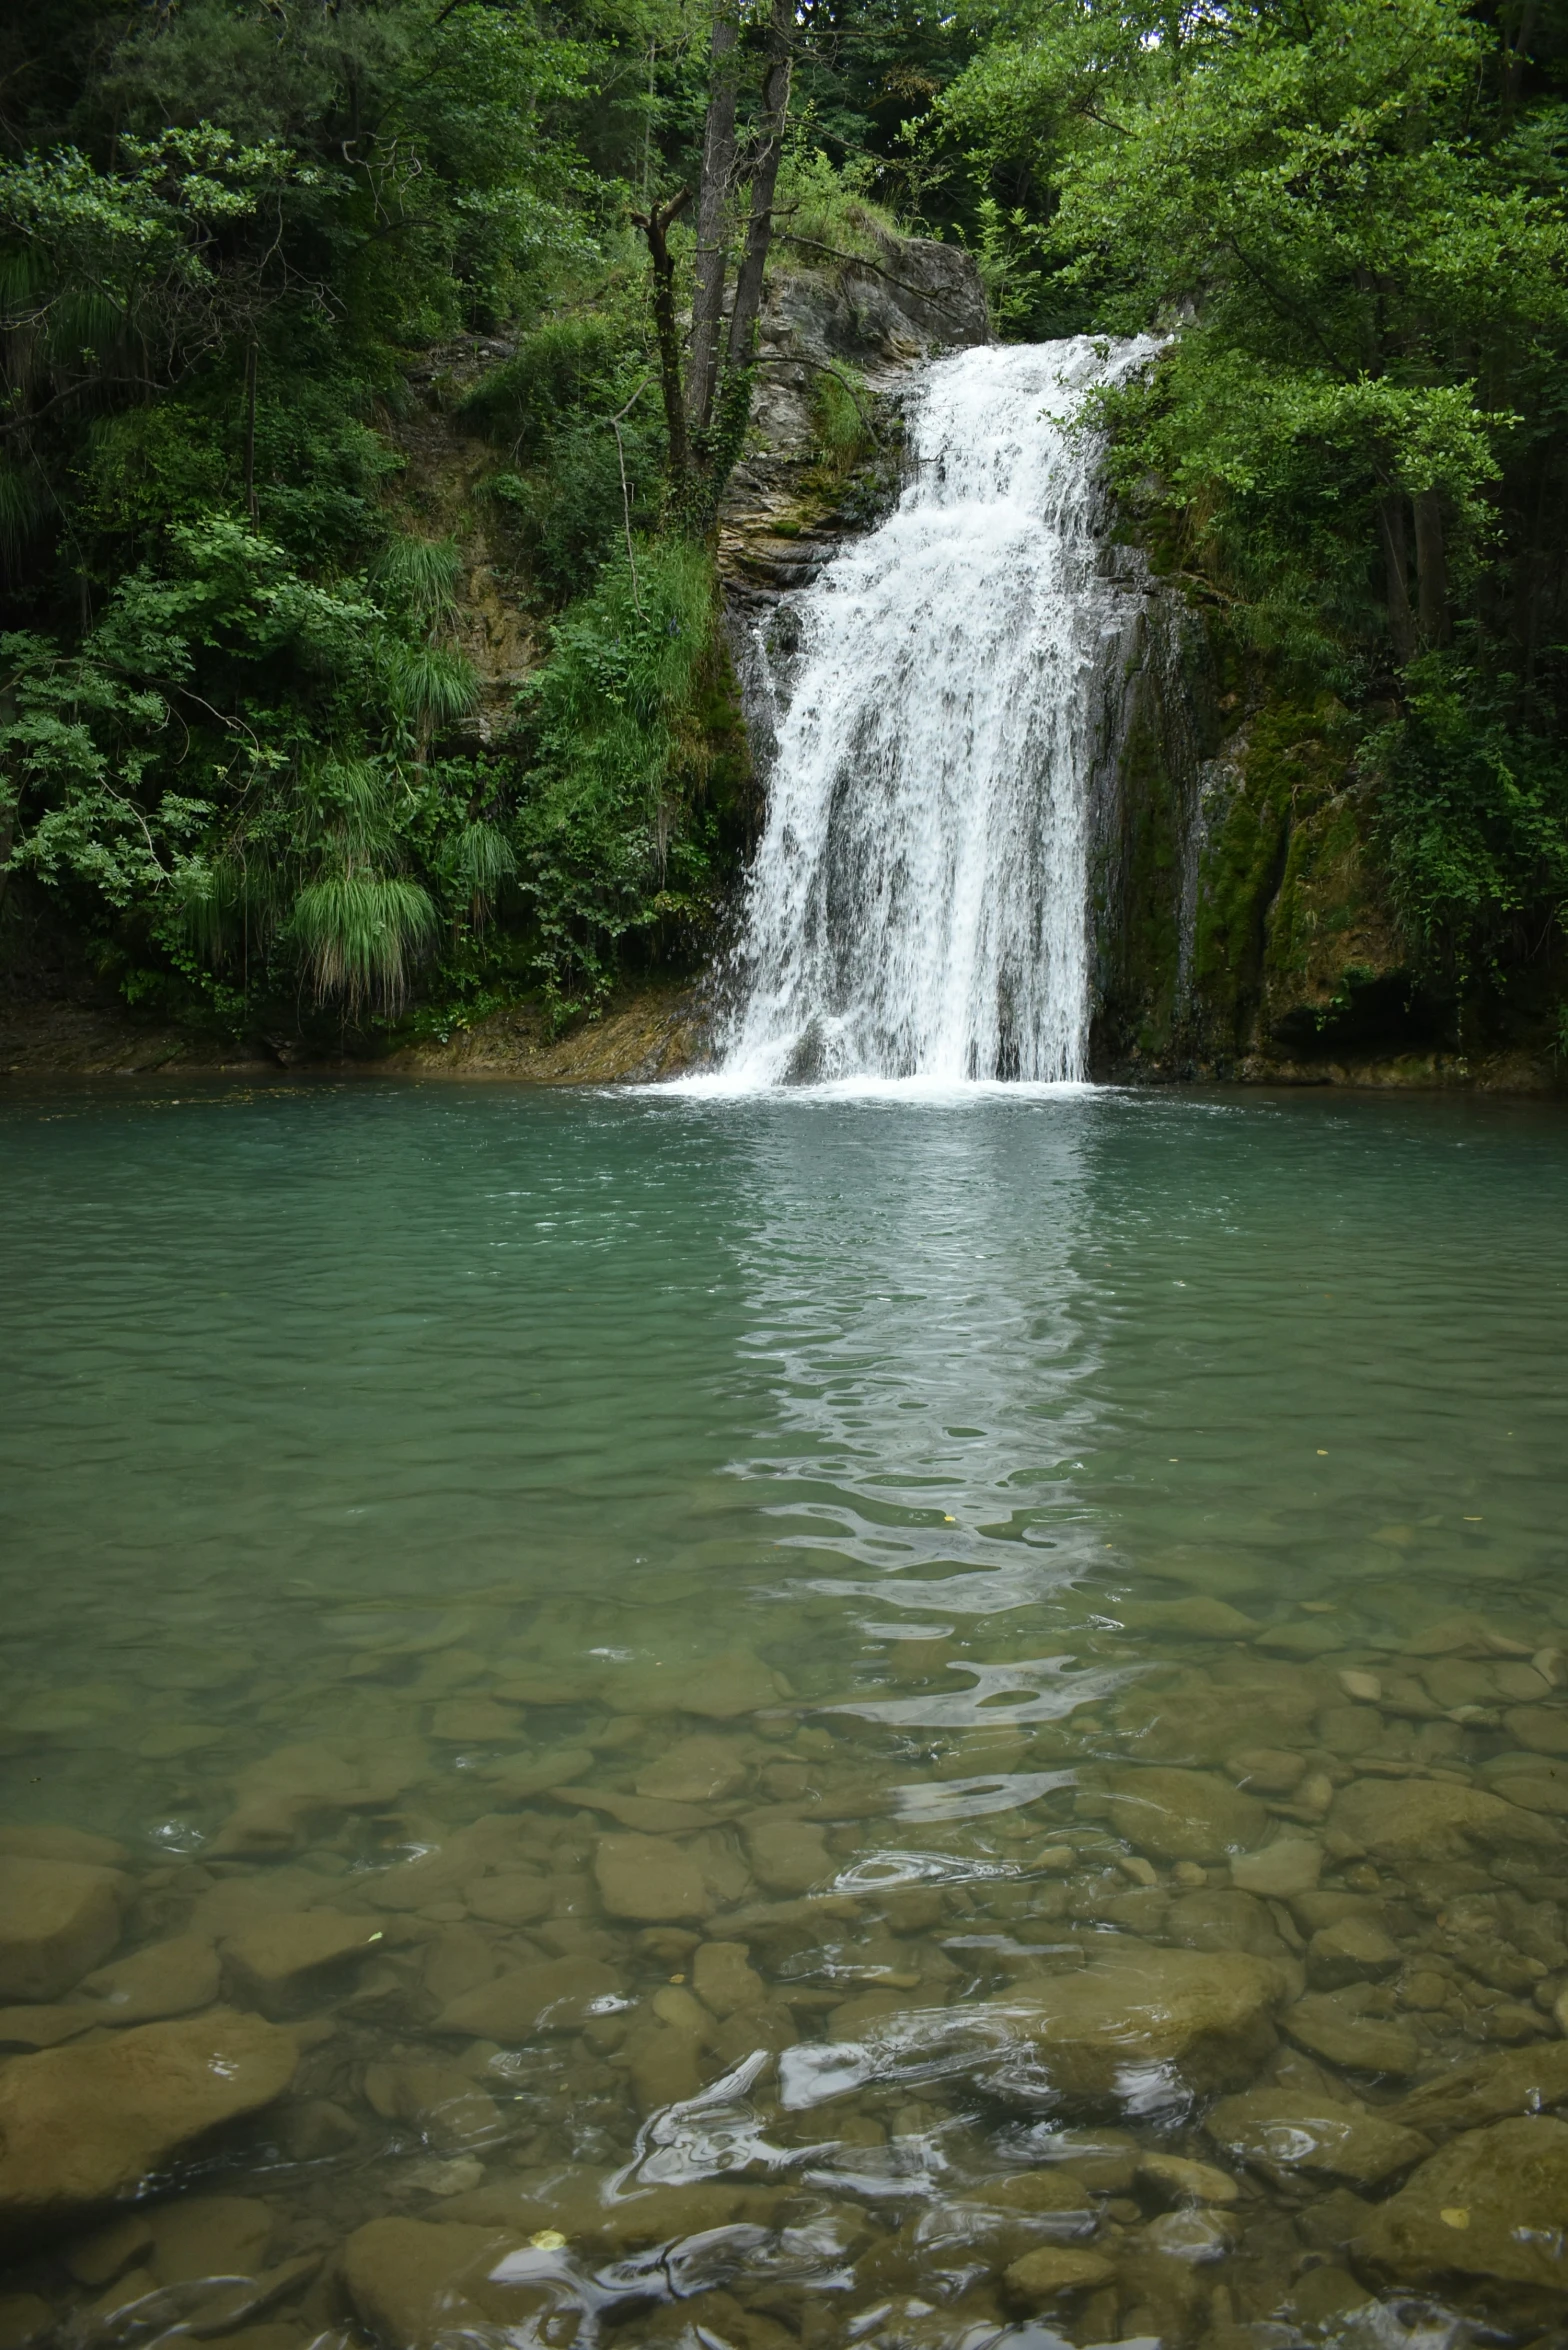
(918, 903)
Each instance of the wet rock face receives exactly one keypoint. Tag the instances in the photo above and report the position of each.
(875, 317)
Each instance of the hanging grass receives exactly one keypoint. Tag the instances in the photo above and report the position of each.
(360, 936)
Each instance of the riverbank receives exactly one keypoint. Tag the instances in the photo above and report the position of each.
(644, 1033)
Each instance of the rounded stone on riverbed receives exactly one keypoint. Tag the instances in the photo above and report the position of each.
(1207, 2014)
(1178, 1815)
(1280, 2131)
(1355, 1950)
(1435, 1819)
(1053, 2271)
(58, 1919)
(1291, 1865)
(1178, 2180)
(1333, 2025)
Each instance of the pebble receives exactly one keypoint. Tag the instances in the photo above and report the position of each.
(1046, 2275)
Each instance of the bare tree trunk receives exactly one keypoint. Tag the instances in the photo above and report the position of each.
(655, 225)
(1401, 620)
(1431, 569)
(713, 211)
(759, 227)
(250, 431)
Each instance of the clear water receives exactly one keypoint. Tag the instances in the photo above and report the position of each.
(870, 1441)
(918, 902)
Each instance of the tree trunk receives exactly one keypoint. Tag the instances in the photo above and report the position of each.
(655, 225)
(250, 431)
(1401, 620)
(759, 227)
(713, 212)
(1431, 569)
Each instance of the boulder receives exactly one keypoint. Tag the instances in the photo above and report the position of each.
(1204, 2013)
(554, 1997)
(1191, 2235)
(448, 2108)
(1176, 2180)
(1291, 1864)
(167, 1978)
(1281, 2131)
(1520, 2080)
(1353, 1951)
(1333, 2025)
(1490, 2205)
(413, 2283)
(1044, 2276)
(86, 2124)
(725, 1979)
(99, 1852)
(1542, 1728)
(1435, 1819)
(1178, 1815)
(695, 1770)
(209, 2236)
(58, 1918)
(1221, 1919)
(650, 1879)
(787, 1855)
(273, 1964)
(513, 1897)
(37, 2026)
(721, 1688)
(279, 1796)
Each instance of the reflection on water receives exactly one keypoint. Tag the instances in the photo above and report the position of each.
(643, 1719)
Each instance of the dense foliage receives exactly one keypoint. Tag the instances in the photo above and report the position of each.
(1348, 219)
(245, 744)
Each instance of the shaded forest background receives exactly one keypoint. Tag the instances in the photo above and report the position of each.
(238, 750)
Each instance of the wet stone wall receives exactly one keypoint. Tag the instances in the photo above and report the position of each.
(1163, 1960)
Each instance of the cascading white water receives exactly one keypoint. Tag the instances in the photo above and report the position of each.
(918, 902)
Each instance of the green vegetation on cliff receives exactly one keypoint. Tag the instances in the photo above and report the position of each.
(1348, 221)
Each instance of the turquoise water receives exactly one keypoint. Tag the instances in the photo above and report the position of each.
(876, 1444)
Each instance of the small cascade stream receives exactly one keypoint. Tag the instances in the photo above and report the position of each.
(917, 907)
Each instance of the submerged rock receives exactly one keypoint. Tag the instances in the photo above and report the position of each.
(1178, 1815)
(413, 2283)
(1292, 1864)
(273, 1964)
(1522, 2080)
(695, 1770)
(58, 1918)
(1435, 1819)
(1204, 2014)
(1356, 1949)
(1042, 2277)
(167, 1978)
(554, 1997)
(649, 1878)
(1280, 2131)
(1332, 2024)
(1493, 2204)
(87, 2124)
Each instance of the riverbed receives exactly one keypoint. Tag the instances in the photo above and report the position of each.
(890, 1717)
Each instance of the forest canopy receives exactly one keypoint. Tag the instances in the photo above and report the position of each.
(241, 746)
